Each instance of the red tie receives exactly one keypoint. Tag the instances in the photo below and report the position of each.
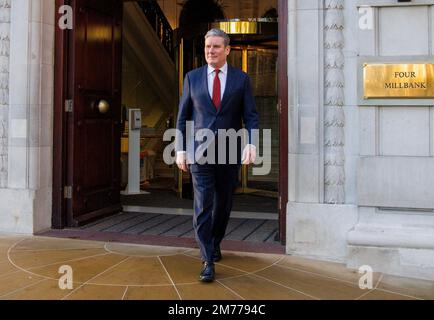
(217, 91)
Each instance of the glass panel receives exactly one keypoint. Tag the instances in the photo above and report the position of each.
(235, 58)
(262, 69)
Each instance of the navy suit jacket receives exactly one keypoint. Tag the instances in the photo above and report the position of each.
(196, 105)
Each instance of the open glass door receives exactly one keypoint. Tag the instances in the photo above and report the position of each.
(260, 62)
(262, 69)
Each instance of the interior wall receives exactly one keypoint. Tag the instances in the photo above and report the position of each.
(148, 73)
(136, 93)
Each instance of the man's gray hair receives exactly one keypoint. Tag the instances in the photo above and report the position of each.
(218, 33)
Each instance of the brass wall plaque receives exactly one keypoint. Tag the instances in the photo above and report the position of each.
(410, 81)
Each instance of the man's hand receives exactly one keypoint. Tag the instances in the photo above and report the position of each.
(249, 154)
(181, 161)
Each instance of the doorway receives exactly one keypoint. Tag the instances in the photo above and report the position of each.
(163, 183)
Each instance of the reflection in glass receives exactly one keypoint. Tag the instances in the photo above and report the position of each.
(262, 69)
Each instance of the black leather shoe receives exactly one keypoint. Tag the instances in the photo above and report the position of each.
(217, 254)
(208, 272)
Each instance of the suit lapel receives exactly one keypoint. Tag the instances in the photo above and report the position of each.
(228, 88)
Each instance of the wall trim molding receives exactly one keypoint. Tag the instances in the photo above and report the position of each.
(334, 101)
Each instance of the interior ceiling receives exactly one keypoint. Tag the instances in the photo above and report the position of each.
(233, 9)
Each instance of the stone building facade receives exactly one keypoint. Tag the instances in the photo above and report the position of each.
(361, 172)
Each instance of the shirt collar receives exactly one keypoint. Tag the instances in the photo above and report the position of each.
(223, 69)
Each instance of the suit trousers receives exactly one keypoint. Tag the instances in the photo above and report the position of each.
(214, 186)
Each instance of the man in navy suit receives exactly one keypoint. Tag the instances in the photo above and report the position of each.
(215, 97)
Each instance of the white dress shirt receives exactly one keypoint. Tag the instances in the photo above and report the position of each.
(223, 74)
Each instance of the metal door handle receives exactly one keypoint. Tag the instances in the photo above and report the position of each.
(103, 106)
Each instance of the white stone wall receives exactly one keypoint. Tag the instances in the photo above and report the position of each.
(395, 173)
(321, 208)
(305, 98)
(26, 198)
(400, 136)
(361, 178)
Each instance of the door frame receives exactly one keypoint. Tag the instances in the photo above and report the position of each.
(60, 134)
(283, 116)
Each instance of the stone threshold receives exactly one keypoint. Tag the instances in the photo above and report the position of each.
(229, 245)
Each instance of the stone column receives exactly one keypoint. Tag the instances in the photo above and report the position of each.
(5, 13)
(25, 200)
(318, 213)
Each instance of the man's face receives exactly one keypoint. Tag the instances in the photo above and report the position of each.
(216, 52)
